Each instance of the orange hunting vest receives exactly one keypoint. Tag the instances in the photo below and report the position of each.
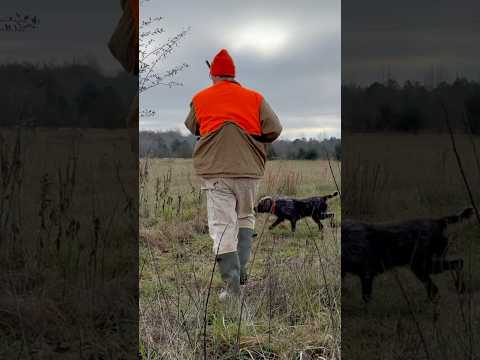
(228, 101)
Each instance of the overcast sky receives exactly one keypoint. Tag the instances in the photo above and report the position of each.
(287, 50)
(409, 39)
(68, 30)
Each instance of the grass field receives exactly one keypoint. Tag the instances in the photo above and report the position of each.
(389, 177)
(58, 245)
(68, 249)
(292, 300)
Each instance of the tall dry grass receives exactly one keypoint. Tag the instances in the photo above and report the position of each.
(398, 177)
(291, 304)
(62, 260)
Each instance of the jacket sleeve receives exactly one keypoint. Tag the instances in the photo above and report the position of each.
(271, 127)
(123, 43)
(191, 122)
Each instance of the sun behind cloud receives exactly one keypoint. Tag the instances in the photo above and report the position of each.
(264, 39)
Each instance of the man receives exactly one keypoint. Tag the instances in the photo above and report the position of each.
(234, 125)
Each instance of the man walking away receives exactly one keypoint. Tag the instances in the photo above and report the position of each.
(234, 124)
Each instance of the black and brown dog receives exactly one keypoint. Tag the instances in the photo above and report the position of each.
(371, 249)
(295, 209)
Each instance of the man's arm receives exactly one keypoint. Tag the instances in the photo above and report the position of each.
(123, 43)
(271, 127)
(191, 122)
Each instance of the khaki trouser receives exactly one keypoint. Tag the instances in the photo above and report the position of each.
(230, 203)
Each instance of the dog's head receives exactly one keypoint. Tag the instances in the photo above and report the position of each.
(467, 213)
(264, 205)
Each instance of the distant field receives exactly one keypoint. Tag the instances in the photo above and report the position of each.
(396, 177)
(292, 300)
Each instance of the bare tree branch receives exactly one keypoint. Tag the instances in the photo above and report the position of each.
(152, 51)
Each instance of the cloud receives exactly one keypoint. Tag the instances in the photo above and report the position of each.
(259, 37)
(289, 51)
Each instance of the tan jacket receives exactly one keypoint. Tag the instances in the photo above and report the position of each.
(230, 151)
(123, 45)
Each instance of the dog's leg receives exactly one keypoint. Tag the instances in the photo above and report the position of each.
(332, 220)
(367, 284)
(323, 216)
(278, 221)
(456, 268)
(420, 272)
(330, 217)
(460, 282)
(294, 225)
(317, 220)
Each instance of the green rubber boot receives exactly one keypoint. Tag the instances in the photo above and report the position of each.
(244, 248)
(229, 267)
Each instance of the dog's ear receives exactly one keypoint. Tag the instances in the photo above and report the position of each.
(264, 204)
(268, 204)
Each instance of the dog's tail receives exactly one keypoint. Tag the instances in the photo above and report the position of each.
(331, 195)
(452, 219)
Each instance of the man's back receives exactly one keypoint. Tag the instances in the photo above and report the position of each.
(234, 124)
(232, 145)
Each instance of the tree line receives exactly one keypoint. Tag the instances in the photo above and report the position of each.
(66, 95)
(411, 107)
(172, 144)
